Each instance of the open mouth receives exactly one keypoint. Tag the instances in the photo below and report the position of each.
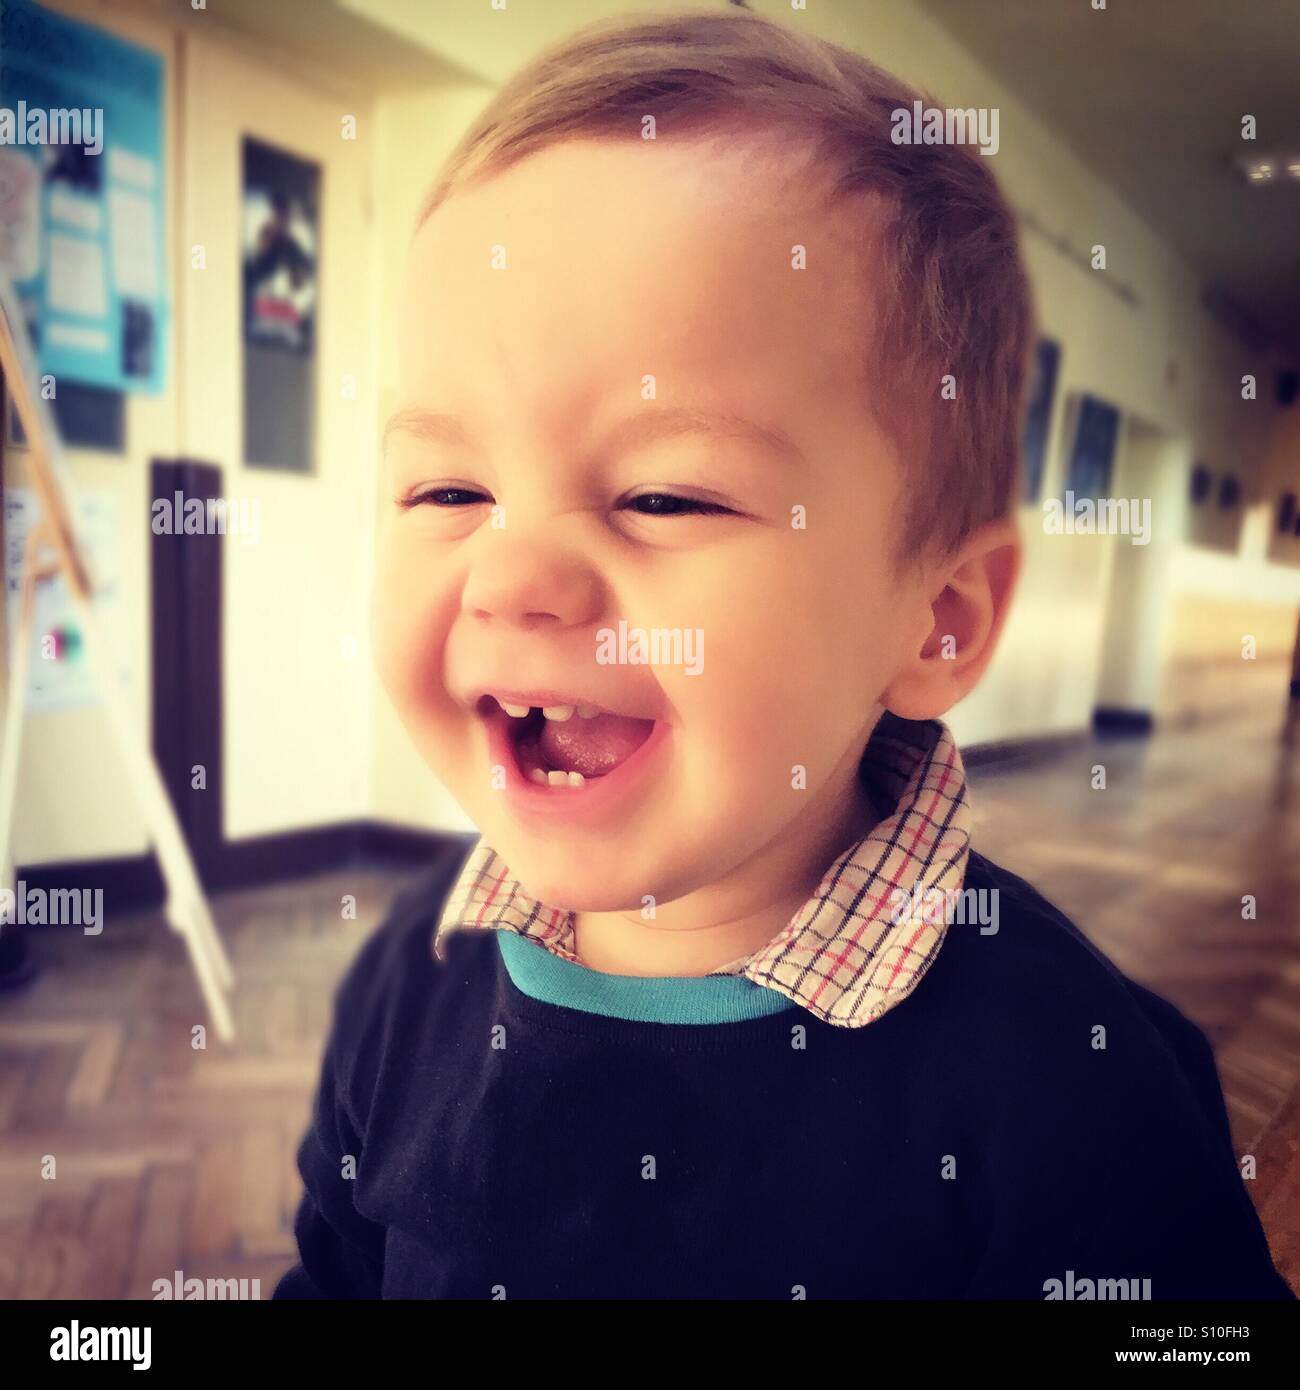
(567, 745)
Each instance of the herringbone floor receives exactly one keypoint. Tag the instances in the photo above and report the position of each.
(1154, 868)
(174, 1158)
(167, 1157)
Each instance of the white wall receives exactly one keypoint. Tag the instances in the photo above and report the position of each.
(296, 690)
(310, 737)
(297, 714)
(1164, 361)
(72, 796)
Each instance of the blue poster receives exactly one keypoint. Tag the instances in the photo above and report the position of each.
(1093, 455)
(1038, 416)
(81, 197)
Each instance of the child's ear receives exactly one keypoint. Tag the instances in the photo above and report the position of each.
(971, 597)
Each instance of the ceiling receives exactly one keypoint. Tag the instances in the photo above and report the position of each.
(342, 37)
(1150, 94)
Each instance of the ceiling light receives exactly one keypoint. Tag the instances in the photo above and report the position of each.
(1256, 168)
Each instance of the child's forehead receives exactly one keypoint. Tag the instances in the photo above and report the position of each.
(595, 281)
(586, 190)
(704, 240)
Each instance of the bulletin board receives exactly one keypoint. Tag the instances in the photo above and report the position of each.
(58, 675)
(81, 198)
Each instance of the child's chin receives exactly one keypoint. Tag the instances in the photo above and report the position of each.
(578, 887)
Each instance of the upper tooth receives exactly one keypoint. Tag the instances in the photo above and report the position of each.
(588, 711)
(557, 712)
(514, 711)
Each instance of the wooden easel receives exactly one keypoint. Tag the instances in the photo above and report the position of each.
(186, 909)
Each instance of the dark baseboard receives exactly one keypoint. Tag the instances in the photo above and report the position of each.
(134, 883)
(129, 883)
(262, 859)
(382, 842)
(1107, 719)
(1044, 747)
(1039, 748)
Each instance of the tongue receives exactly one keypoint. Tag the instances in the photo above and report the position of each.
(592, 746)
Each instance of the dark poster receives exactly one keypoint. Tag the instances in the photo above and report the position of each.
(281, 241)
(1038, 416)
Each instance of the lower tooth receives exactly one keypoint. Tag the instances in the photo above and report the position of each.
(555, 779)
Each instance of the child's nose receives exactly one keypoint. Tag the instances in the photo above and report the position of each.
(531, 588)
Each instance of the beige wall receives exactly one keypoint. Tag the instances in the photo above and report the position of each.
(72, 797)
(297, 690)
(1210, 673)
(1163, 360)
(310, 737)
(1282, 475)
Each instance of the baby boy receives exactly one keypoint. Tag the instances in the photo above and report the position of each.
(699, 517)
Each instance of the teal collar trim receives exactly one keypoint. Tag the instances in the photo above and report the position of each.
(543, 975)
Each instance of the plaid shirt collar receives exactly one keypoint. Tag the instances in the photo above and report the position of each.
(857, 947)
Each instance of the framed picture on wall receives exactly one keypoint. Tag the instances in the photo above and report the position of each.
(1038, 417)
(281, 209)
(281, 251)
(1092, 455)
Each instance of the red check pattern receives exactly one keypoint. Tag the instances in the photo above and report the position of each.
(856, 948)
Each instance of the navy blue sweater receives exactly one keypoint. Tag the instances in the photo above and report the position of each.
(471, 1139)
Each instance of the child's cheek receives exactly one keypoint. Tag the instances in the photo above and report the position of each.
(404, 638)
(726, 737)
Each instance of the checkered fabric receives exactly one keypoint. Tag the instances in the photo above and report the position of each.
(862, 942)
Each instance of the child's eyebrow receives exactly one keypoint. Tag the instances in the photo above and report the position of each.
(650, 426)
(635, 431)
(426, 424)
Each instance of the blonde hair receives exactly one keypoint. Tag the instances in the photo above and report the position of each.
(955, 299)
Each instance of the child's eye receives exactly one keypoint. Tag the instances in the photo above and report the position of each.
(669, 504)
(444, 497)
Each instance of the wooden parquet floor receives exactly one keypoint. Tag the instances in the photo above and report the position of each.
(1154, 869)
(171, 1158)
(168, 1157)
